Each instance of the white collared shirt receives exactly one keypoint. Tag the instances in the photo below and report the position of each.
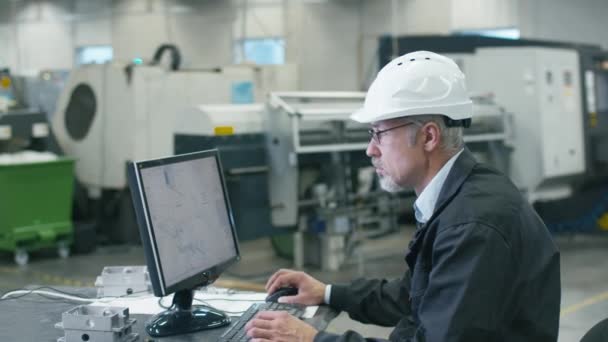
(424, 206)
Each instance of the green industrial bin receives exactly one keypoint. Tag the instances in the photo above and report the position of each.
(36, 207)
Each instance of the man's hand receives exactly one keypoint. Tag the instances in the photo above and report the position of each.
(279, 326)
(310, 290)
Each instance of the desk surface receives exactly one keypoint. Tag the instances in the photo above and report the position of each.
(33, 318)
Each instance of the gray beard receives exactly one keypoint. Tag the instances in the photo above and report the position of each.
(388, 184)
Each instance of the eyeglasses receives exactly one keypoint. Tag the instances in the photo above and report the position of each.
(375, 135)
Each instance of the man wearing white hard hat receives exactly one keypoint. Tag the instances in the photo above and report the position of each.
(481, 266)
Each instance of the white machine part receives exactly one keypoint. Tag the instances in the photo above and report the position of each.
(221, 119)
(97, 323)
(133, 117)
(118, 281)
(541, 87)
(290, 120)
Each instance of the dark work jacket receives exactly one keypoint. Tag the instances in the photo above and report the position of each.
(483, 268)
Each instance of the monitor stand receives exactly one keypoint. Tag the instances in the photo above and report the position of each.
(184, 318)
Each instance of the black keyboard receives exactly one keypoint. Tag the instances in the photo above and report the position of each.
(237, 331)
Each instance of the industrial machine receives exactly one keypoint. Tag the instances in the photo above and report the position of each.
(43, 90)
(7, 90)
(36, 197)
(316, 163)
(110, 114)
(105, 117)
(293, 161)
(23, 126)
(541, 86)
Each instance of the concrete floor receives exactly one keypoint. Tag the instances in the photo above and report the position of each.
(584, 274)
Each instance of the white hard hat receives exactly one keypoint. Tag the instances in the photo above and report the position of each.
(417, 83)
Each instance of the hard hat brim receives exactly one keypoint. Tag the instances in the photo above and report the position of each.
(458, 111)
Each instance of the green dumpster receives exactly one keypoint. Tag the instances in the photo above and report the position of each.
(36, 207)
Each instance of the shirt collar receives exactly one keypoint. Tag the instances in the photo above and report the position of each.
(424, 206)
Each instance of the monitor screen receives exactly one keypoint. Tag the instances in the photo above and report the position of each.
(189, 217)
(188, 234)
(188, 229)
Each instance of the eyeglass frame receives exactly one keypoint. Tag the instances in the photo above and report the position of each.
(375, 135)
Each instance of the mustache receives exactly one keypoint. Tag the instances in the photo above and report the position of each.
(376, 163)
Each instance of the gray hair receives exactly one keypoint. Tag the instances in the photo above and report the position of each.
(451, 137)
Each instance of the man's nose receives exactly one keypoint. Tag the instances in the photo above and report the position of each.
(372, 149)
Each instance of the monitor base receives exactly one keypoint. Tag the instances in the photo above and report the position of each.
(175, 322)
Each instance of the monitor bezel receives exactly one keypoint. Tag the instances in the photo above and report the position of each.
(155, 267)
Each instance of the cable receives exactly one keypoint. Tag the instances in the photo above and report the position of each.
(160, 303)
(23, 293)
(48, 300)
(176, 57)
(130, 296)
(57, 295)
(229, 292)
(206, 302)
(50, 288)
(213, 307)
(19, 293)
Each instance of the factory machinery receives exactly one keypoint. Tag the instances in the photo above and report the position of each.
(36, 197)
(294, 161)
(110, 114)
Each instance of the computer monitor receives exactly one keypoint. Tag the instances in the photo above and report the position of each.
(188, 234)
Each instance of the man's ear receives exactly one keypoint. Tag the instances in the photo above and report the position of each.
(431, 136)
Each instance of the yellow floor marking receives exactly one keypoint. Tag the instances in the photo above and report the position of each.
(583, 304)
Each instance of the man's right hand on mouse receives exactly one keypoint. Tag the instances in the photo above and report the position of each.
(310, 290)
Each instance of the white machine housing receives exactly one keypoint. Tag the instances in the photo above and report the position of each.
(541, 87)
(135, 118)
(205, 119)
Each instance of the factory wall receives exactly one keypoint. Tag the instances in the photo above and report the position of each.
(201, 29)
(323, 40)
(45, 34)
(582, 21)
(334, 42)
(483, 14)
(38, 36)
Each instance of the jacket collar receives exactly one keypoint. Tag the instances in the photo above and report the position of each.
(458, 174)
(425, 204)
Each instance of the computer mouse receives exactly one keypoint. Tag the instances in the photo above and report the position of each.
(280, 292)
